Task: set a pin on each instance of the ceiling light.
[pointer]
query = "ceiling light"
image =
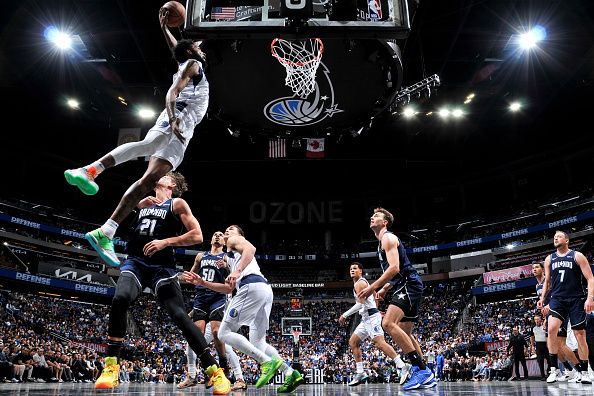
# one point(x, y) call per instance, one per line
point(73, 104)
point(515, 106)
point(457, 113)
point(444, 113)
point(146, 113)
point(409, 112)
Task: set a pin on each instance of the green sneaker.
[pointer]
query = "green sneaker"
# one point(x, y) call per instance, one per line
point(104, 246)
point(267, 371)
point(82, 179)
point(291, 382)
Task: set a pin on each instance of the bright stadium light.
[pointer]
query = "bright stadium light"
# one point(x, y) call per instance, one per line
point(409, 112)
point(73, 104)
point(60, 39)
point(146, 113)
point(515, 106)
point(531, 38)
point(444, 113)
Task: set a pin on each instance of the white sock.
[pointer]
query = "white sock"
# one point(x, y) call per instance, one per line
point(191, 356)
point(399, 362)
point(97, 166)
point(109, 228)
point(359, 367)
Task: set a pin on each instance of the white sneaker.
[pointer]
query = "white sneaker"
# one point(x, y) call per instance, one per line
point(359, 378)
point(586, 378)
point(553, 376)
point(404, 373)
point(577, 378)
point(565, 376)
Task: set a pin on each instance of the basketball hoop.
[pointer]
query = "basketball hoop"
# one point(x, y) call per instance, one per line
point(296, 334)
point(301, 60)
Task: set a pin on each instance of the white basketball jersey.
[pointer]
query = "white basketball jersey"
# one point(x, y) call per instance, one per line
point(369, 301)
point(191, 103)
point(252, 268)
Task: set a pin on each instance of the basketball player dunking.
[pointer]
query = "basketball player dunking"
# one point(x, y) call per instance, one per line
point(567, 272)
point(151, 264)
point(186, 103)
point(251, 307)
point(370, 326)
point(400, 275)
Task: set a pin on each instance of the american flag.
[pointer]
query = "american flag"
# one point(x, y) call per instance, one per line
point(277, 148)
point(222, 13)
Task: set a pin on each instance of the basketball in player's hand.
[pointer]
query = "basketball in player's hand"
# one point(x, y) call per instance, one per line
point(177, 13)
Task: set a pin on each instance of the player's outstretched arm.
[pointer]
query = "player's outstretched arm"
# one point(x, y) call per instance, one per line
point(169, 39)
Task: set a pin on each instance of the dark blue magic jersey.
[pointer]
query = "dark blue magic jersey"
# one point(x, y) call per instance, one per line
point(567, 280)
point(539, 291)
point(407, 273)
point(209, 271)
point(155, 222)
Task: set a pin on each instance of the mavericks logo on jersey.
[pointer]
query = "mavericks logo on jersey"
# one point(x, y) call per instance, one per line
point(297, 111)
point(233, 313)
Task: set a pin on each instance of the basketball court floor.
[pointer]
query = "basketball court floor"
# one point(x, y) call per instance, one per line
point(523, 388)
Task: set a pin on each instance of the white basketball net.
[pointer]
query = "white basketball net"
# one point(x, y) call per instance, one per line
point(296, 334)
point(301, 60)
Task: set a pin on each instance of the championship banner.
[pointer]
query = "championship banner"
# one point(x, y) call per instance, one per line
point(507, 275)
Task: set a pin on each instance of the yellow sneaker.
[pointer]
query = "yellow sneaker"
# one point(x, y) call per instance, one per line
point(221, 383)
point(110, 376)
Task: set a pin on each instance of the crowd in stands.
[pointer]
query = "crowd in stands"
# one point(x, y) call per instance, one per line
point(54, 330)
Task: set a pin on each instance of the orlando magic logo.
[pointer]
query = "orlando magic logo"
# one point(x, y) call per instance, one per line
point(295, 111)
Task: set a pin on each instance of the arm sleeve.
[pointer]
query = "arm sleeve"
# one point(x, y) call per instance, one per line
point(352, 310)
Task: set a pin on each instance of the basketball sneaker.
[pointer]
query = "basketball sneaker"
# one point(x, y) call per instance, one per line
point(418, 378)
point(359, 378)
point(586, 378)
point(404, 373)
point(553, 375)
point(110, 375)
point(268, 370)
point(576, 377)
point(104, 246)
point(291, 382)
point(188, 383)
point(239, 385)
point(83, 179)
point(221, 383)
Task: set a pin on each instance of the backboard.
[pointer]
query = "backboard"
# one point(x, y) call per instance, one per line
point(288, 324)
point(210, 19)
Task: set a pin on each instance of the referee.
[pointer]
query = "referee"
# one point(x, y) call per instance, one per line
point(539, 344)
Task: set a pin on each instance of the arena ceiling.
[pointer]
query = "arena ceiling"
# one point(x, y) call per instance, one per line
point(470, 44)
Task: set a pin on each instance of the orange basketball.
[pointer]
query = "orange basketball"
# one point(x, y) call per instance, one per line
point(177, 13)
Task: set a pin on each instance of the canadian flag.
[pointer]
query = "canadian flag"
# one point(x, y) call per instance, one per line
point(315, 148)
